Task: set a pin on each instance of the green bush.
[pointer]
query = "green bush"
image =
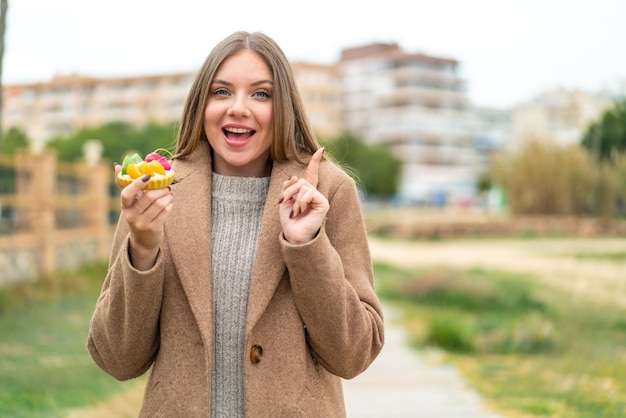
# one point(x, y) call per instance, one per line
point(373, 166)
point(532, 333)
point(473, 290)
point(474, 310)
point(450, 331)
point(117, 138)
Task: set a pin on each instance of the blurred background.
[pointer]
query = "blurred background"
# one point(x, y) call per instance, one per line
point(485, 121)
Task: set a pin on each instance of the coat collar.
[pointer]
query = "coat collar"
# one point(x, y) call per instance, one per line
point(188, 232)
point(269, 265)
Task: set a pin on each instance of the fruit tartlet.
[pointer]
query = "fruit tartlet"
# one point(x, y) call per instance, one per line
point(155, 164)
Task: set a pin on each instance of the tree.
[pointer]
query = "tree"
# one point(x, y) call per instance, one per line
point(373, 166)
point(13, 140)
point(544, 178)
point(117, 138)
point(607, 136)
point(4, 7)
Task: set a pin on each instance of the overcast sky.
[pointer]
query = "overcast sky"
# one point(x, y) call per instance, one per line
point(509, 50)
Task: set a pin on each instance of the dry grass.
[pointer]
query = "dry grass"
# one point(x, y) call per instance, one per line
point(120, 405)
point(554, 261)
point(581, 283)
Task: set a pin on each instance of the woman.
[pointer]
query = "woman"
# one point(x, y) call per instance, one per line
point(247, 286)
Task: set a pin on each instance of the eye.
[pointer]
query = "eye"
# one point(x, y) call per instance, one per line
point(220, 92)
point(262, 94)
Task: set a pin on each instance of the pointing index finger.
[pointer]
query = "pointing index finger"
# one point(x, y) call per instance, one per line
point(313, 167)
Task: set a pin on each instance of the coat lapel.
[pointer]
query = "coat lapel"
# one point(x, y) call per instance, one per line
point(269, 265)
point(191, 250)
point(188, 233)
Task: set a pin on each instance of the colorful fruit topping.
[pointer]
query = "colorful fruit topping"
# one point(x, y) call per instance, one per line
point(133, 171)
point(130, 159)
point(156, 165)
point(165, 163)
point(153, 156)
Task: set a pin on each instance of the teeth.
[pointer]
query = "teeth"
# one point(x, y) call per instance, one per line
point(238, 130)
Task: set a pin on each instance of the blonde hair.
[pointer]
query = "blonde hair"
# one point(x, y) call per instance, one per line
point(292, 134)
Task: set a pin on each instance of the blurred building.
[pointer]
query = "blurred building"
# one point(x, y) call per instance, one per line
point(69, 103)
point(319, 86)
point(418, 105)
point(558, 115)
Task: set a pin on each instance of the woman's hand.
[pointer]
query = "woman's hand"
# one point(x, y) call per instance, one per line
point(146, 212)
point(302, 208)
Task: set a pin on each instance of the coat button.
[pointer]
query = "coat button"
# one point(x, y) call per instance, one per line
point(256, 353)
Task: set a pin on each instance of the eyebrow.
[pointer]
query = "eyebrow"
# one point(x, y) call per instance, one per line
point(256, 83)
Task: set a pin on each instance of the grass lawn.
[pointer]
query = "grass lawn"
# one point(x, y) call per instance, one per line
point(530, 350)
point(45, 368)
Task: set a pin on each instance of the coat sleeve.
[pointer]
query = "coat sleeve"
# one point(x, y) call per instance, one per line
point(123, 333)
point(333, 285)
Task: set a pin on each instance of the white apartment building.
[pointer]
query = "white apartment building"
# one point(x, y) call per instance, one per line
point(68, 103)
point(414, 103)
point(558, 115)
point(319, 86)
point(417, 104)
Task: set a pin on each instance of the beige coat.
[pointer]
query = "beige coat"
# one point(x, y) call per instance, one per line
point(313, 316)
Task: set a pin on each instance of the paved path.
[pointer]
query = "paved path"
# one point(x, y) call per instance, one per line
point(402, 383)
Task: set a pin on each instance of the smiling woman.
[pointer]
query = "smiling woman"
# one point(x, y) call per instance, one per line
point(246, 287)
point(238, 116)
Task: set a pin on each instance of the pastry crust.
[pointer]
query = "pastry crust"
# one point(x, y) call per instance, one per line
point(156, 181)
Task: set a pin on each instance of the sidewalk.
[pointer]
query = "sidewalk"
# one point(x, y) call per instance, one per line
point(401, 383)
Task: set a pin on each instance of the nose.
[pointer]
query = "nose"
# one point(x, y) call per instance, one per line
point(238, 106)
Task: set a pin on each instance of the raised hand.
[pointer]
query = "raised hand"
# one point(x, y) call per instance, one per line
point(146, 212)
point(302, 208)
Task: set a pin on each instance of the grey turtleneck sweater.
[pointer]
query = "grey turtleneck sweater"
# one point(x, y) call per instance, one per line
point(237, 207)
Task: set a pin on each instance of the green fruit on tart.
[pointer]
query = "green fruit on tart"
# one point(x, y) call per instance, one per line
point(155, 164)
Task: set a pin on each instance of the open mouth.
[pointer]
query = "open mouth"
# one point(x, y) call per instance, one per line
point(235, 134)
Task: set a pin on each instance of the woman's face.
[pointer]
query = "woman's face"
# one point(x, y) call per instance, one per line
point(238, 116)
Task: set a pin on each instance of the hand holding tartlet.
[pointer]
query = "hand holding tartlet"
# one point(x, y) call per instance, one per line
point(155, 165)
